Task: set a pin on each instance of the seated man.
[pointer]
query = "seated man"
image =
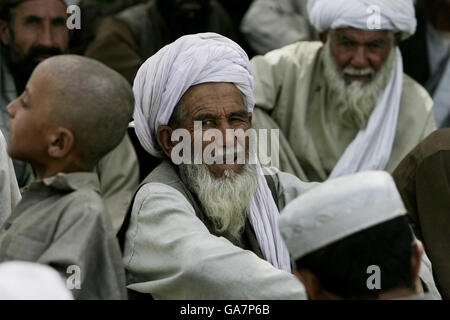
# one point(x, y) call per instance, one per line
point(9, 190)
point(272, 24)
point(31, 31)
point(423, 179)
point(205, 230)
point(73, 111)
point(344, 105)
point(350, 239)
point(125, 40)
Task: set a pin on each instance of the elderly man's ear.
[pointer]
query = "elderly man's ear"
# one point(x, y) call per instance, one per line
point(5, 35)
point(61, 143)
point(164, 137)
point(416, 263)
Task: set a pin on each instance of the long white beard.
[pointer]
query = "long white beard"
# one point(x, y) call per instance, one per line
point(357, 100)
point(225, 200)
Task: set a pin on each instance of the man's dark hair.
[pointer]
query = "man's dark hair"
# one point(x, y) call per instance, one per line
point(6, 6)
point(342, 266)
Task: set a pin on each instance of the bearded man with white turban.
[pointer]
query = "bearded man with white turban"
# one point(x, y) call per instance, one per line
point(208, 230)
point(343, 105)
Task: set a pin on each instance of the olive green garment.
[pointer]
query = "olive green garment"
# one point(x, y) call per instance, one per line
point(118, 172)
point(423, 179)
point(291, 95)
point(61, 222)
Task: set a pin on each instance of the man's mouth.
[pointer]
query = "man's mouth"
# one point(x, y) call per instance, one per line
point(42, 57)
point(350, 78)
point(188, 6)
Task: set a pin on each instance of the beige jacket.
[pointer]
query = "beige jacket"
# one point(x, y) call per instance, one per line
point(290, 95)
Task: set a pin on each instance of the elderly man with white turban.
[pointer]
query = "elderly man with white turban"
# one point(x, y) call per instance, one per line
point(343, 105)
point(208, 230)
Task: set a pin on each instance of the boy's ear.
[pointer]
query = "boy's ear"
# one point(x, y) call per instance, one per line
point(5, 35)
point(61, 143)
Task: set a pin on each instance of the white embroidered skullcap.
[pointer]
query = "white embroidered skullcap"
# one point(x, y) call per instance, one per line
point(337, 209)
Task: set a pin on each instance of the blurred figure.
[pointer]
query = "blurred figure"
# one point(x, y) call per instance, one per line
point(423, 179)
point(9, 190)
point(427, 55)
point(31, 281)
point(272, 24)
point(344, 105)
point(92, 13)
point(125, 40)
point(350, 239)
point(30, 32)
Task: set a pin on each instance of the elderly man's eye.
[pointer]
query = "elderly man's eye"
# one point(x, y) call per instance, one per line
point(207, 122)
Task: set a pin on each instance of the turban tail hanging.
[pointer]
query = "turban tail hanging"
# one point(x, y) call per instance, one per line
point(160, 84)
point(372, 147)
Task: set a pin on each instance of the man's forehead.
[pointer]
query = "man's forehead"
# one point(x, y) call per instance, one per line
point(212, 93)
point(361, 35)
point(41, 8)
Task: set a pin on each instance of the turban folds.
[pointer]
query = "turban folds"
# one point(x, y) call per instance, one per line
point(165, 77)
point(395, 15)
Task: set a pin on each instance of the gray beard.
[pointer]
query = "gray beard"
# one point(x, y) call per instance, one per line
point(357, 100)
point(225, 200)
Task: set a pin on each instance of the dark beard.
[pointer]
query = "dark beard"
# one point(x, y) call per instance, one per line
point(182, 22)
point(22, 65)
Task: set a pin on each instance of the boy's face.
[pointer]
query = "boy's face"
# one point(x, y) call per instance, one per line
point(31, 120)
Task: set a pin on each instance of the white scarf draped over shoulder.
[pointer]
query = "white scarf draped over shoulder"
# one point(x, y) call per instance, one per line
point(372, 147)
point(160, 84)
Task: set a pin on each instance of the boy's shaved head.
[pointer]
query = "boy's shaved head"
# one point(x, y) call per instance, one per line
point(93, 101)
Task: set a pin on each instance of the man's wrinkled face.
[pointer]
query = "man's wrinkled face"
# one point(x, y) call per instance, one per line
point(30, 119)
point(37, 30)
point(217, 106)
point(359, 53)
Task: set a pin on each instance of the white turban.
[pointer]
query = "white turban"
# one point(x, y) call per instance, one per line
point(158, 87)
point(165, 77)
point(395, 15)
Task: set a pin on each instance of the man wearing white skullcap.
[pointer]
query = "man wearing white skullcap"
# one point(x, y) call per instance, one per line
point(343, 105)
point(206, 230)
point(349, 238)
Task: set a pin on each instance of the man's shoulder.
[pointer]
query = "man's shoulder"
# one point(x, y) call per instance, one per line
point(415, 97)
point(300, 52)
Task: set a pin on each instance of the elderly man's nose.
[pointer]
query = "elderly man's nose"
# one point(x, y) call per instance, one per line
point(360, 59)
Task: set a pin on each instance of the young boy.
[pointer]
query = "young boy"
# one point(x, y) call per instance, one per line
point(73, 111)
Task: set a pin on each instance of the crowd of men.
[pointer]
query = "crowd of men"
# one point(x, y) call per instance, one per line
point(95, 204)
